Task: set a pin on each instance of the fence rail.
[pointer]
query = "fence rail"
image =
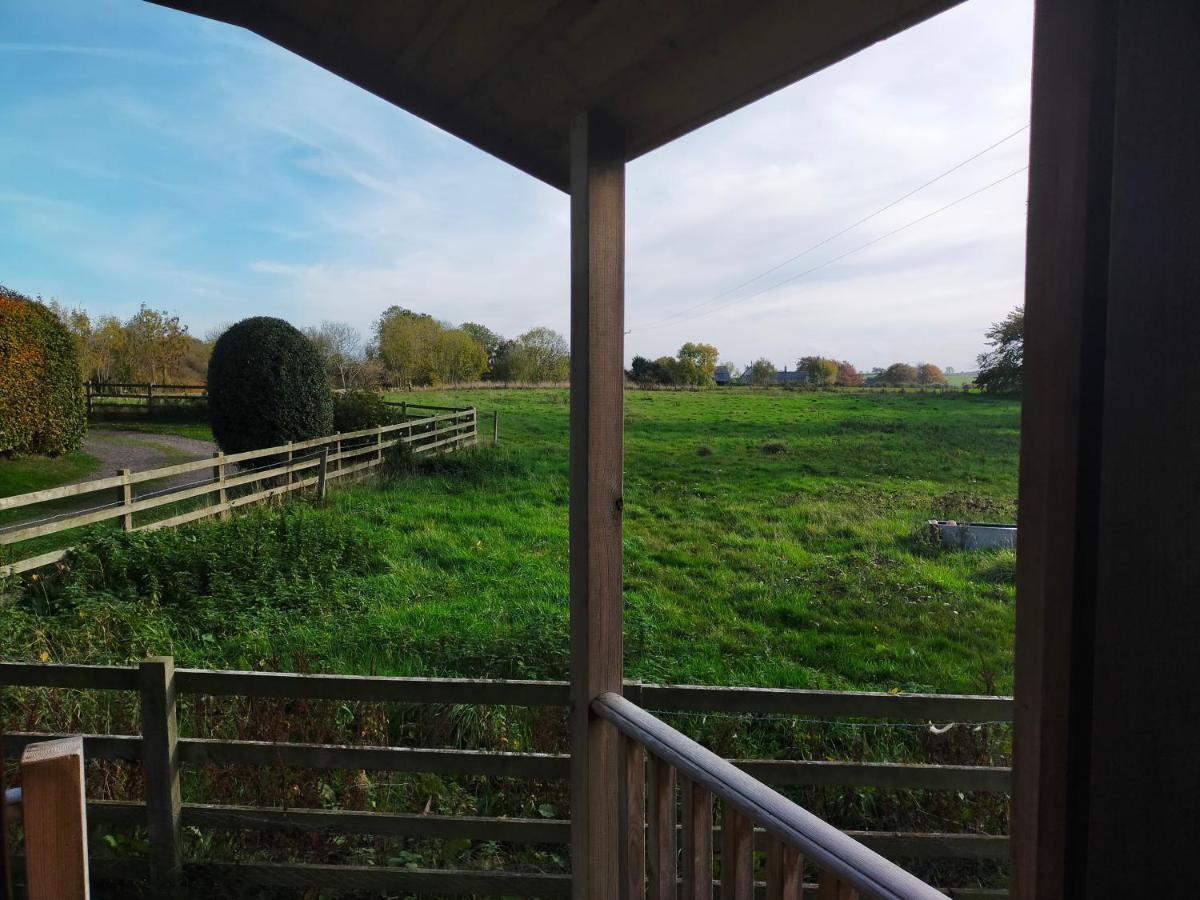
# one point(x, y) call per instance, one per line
point(229, 480)
point(160, 749)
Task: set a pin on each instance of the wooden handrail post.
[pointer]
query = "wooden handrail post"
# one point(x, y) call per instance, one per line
point(53, 810)
point(125, 498)
point(321, 473)
point(597, 154)
point(160, 768)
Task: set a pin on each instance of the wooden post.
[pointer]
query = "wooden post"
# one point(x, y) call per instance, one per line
point(160, 769)
point(338, 449)
point(87, 386)
point(597, 381)
point(125, 498)
point(321, 471)
point(1103, 756)
point(150, 398)
point(219, 478)
point(633, 820)
point(379, 444)
point(496, 428)
point(54, 814)
point(290, 477)
point(403, 410)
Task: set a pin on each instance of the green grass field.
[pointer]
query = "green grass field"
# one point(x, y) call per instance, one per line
point(772, 538)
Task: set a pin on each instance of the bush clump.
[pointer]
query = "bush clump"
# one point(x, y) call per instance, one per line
point(42, 408)
point(357, 409)
point(266, 386)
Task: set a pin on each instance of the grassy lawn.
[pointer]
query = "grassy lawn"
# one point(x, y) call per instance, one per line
point(772, 538)
point(22, 474)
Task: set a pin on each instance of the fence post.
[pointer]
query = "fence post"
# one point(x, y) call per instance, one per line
point(125, 498)
point(150, 398)
point(289, 462)
point(403, 410)
point(160, 769)
point(496, 428)
point(339, 451)
point(87, 386)
point(53, 812)
point(379, 444)
point(219, 478)
point(321, 473)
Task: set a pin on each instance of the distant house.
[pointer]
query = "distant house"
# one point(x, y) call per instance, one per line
point(781, 377)
point(722, 376)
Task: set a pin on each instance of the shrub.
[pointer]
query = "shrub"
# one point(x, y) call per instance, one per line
point(358, 409)
point(266, 386)
point(42, 409)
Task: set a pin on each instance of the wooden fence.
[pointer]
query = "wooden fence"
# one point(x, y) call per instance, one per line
point(228, 481)
point(163, 753)
point(137, 395)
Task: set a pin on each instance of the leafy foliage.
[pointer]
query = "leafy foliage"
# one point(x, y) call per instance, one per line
point(929, 374)
point(1000, 367)
point(357, 409)
point(899, 375)
point(761, 373)
point(42, 408)
point(266, 386)
point(821, 371)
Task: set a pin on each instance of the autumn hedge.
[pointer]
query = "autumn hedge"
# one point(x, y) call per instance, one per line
point(42, 408)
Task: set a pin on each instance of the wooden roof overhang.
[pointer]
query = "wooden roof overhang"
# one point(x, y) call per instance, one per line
point(510, 75)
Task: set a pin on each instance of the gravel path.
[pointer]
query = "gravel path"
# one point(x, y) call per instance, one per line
point(137, 450)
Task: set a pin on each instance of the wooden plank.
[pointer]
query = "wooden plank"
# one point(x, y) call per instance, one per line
point(822, 704)
point(389, 879)
point(785, 871)
point(34, 562)
point(1066, 298)
point(54, 820)
point(368, 687)
point(160, 769)
point(596, 478)
point(662, 851)
point(546, 766)
point(117, 678)
point(633, 820)
point(903, 776)
point(737, 856)
point(697, 826)
point(95, 746)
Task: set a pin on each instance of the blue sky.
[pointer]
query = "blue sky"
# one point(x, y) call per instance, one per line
point(149, 156)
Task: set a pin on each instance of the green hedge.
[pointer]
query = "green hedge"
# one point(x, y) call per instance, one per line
point(266, 386)
point(42, 407)
point(357, 409)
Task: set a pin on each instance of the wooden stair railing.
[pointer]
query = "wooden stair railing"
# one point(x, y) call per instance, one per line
point(655, 757)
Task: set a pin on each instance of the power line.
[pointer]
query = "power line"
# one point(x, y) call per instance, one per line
point(838, 234)
point(857, 249)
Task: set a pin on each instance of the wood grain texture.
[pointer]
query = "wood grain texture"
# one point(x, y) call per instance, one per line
point(696, 817)
point(54, 821)
point(785, 871)
point(737, 855)
point(596, 479)
point(662, 849)
point(632, 863)
point(160, 769)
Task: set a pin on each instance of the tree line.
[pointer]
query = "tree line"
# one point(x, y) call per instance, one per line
point(405, 349)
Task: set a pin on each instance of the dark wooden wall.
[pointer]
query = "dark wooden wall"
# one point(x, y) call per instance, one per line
point(1109, 569)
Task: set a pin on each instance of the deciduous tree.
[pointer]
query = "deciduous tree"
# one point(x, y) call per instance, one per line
point(1000, 367)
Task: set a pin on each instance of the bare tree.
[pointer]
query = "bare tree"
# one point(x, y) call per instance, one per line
point(340, 346)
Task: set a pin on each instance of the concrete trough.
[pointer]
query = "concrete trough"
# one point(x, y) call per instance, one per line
point(972, 535)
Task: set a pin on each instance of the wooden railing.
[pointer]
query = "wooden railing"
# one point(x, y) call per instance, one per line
point(163, 753)
point(848, 869)
point(125, 395)
point(229, 480)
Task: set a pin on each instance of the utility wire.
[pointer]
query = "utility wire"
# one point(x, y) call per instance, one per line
point(838, 234)
point(857, 249)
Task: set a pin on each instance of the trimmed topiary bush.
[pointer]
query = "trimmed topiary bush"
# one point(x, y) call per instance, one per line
point(357, 409)
point(42, 407)
point(266, 386)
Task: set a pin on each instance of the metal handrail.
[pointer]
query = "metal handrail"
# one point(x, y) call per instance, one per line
point(827, 847)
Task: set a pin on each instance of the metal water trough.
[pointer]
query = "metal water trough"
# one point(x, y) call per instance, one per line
point(972, 535)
